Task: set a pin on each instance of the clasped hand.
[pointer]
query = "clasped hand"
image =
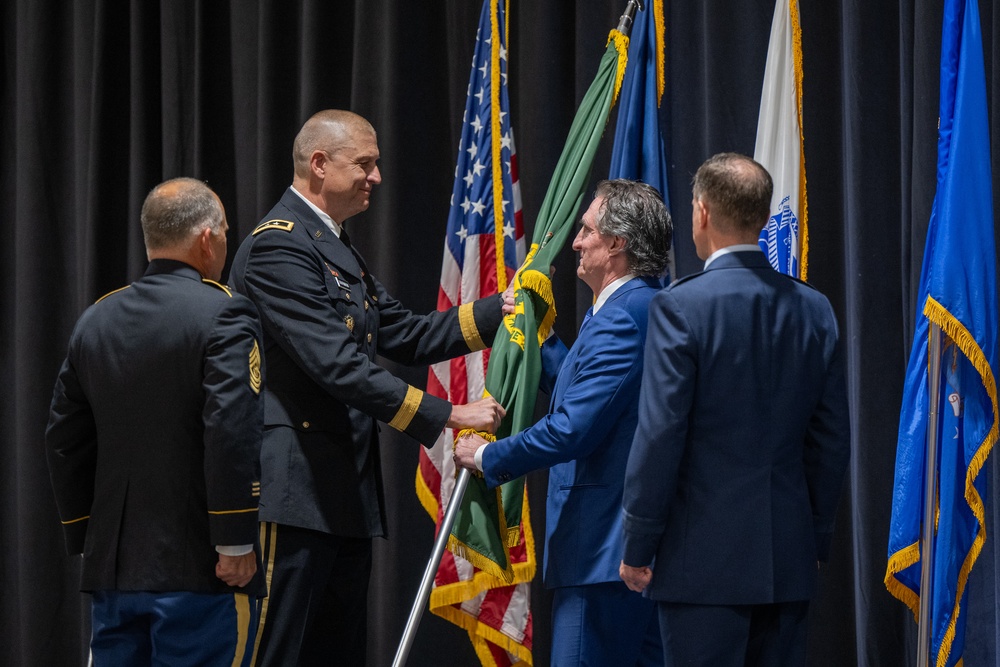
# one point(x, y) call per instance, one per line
point(482, 415)
point(465, 451)
point(636, 578)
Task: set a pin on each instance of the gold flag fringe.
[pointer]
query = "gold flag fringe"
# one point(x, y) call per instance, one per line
point(936, 313)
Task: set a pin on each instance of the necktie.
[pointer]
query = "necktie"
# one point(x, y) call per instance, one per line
point(586, 317)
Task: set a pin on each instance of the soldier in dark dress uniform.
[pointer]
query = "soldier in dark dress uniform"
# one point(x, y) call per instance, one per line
point(325, 316)
point(153, 446)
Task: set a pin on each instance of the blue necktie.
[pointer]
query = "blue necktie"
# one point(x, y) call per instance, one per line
point(586, 317)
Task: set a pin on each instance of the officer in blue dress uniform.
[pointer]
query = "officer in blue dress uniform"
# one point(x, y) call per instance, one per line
point(325, 316)
point(742, 442)
point(153, 447)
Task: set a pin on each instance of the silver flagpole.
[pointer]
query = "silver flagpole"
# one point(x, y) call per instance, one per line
point(930, 493)
point(432, 566)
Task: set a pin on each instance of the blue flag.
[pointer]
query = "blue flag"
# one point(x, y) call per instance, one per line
point(957, 292)
point(638, 152)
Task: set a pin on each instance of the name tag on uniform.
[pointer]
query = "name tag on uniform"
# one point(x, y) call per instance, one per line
point(341, 283)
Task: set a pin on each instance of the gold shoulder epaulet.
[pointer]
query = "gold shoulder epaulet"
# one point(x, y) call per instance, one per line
point(283, 225)
point(222, 287)
point(112, 292)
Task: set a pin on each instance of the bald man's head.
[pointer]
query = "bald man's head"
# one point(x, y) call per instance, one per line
point(178, 209)
point(330, 131)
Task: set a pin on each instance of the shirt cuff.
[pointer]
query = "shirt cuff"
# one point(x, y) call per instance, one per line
point(479, 458)
point(234, 549)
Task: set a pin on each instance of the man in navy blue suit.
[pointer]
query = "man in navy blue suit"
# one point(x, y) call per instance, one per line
point(623, 243)
point(742, 442)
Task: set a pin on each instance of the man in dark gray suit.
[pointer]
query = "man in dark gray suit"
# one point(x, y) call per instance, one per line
point(742, 443)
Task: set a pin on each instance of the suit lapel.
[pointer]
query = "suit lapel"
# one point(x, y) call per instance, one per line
point(569, 363)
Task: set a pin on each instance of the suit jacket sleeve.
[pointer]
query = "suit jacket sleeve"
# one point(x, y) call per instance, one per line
point(591, 405)
point(827, 448)
point(71, 450)
point(234, 417)
point(665, 401)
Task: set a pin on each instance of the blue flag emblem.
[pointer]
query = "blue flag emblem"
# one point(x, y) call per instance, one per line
point(779, 240)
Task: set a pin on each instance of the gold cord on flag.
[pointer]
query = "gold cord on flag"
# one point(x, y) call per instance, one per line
point(803, 201)
point(495, 145)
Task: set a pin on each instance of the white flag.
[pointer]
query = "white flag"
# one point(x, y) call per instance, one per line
point(779, 143)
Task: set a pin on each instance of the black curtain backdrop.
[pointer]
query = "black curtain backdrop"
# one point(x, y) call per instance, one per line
point(103, 99)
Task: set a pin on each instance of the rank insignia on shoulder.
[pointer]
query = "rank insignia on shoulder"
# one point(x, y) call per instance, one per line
point(349, 321)
point(255, 368)
point(283, 225)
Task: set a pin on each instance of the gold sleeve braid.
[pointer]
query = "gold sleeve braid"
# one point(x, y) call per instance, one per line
point(467, 320)
point(406, 412)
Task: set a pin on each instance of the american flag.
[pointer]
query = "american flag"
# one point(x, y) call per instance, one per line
point(485, 215)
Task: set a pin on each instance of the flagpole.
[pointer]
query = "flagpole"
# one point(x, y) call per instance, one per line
point(628, 17)
point(930, 489)
point(431, 570)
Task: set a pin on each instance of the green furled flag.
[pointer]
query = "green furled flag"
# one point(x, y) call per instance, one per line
point(487, 524)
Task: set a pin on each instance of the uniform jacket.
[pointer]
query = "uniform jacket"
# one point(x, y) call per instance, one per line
point(325, 317)
point(743, 437)
point(585, 439)
point(154, 433)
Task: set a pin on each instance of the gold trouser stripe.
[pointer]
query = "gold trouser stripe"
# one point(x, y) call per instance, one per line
point(242, 602)
point(408, 409)
point(249, 509)
point(268, 546)
point(470, 331)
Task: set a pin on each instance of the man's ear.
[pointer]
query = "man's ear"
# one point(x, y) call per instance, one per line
point(205, 246)
point(705, 209)
point(617, 245)
point(317, 163)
